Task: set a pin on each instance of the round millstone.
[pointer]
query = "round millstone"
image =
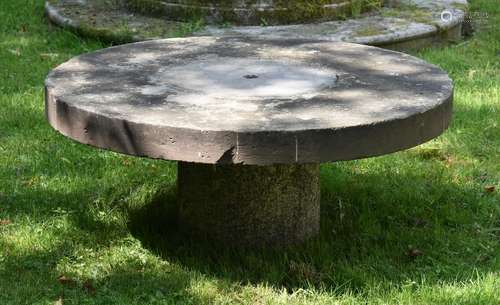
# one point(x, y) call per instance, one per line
point(251, 12)
point(249, 206)
point(422, 25)
point(245, 101)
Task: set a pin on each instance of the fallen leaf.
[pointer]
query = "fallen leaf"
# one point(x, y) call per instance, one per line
point(59, 301)
point(89, 288)
point(489, 188)
point(414, 252)
point(48, 55)
point(64, 280)
point(4, 222)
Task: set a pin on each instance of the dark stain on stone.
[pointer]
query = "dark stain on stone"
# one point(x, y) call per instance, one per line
point(251, 76)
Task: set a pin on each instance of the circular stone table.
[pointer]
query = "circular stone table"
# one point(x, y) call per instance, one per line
point(249, 121)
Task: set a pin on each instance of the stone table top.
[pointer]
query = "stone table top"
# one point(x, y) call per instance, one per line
point(241, 100)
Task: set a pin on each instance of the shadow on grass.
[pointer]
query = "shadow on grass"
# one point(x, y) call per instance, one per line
point(369, 234)
point(373, 223)
point(124, 283)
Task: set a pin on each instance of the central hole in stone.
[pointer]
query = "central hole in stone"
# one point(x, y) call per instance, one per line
point(251, 76)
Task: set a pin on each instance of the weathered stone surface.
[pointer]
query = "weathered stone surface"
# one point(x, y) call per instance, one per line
point(413, 24)
point(108, 21)
point(249, 206)
point(234, 100)
point(407, 24)
point(251, 12)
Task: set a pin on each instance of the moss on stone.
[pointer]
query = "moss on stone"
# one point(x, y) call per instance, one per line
point(106, 20)
point(105, 34)
point(410, 13)
point(253, 11)
point(369, 30)
point(146, 7)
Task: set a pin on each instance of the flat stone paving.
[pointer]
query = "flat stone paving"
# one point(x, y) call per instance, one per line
point(402, 25)
point(241, 100)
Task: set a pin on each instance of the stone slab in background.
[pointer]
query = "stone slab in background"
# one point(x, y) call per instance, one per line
point(110, 22)
point(407, 24)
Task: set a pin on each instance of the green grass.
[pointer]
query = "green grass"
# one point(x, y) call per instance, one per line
point(416, 227)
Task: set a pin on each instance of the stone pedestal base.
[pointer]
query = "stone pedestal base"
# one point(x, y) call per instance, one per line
point(251, 12)
point(249, 206)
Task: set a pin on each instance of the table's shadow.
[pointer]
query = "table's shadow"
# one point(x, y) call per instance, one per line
point(359, 242)
point(347, 255)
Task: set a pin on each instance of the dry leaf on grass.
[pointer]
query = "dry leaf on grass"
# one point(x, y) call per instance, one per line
point(414, 252)
point(64, 280)
point(489, 188)
point(48, 55)
point(4, 222)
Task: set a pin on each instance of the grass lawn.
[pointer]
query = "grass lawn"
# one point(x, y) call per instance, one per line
point(415, 227)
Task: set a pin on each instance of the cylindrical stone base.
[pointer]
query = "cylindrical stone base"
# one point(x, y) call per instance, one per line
point(249, 206)
point(252, 12)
